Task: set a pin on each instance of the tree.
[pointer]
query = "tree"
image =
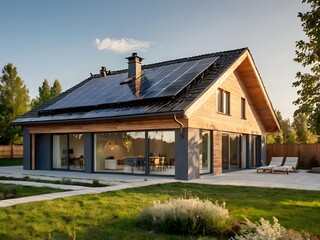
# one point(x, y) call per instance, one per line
point(308, 54)
point(14, 101)
point(300, 124)
point(56, 88)
point(286, 135)
point(276, 137)
point(289, 135)
point(46, 92)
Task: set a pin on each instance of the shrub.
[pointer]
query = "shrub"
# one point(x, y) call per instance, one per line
point(187, 216)
point(26, 178)
point(267, 231)
point(66, 181)
point(95, 182)
point(9, 191)
point(1, 196)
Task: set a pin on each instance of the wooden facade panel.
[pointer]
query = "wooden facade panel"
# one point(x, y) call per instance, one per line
point(217, 152)
point(207, 116)
point(111, 126)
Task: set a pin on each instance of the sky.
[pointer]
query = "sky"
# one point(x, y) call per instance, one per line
point(67, 40)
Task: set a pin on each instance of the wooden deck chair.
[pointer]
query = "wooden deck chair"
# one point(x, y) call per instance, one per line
point(290, 165)
point(275, 162)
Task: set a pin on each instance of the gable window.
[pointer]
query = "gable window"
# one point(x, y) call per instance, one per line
point(243, 108)
point(223, 101)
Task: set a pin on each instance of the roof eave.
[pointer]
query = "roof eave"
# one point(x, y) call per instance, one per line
point(180, 112)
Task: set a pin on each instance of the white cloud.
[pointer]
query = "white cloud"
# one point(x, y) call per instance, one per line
point(122, 45)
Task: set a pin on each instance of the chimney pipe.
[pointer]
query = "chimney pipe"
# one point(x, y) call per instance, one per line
point(103, 72)
point(134, 68)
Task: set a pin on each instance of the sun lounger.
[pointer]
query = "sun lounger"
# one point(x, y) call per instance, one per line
point(290, 165)
point(275, 162)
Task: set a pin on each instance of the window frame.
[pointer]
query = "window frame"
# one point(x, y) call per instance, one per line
point(223, 102)
point(243, 108)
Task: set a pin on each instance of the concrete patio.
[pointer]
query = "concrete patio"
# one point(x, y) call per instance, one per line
point(301, 180)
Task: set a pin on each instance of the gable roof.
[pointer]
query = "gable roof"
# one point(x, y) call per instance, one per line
point(166, 88)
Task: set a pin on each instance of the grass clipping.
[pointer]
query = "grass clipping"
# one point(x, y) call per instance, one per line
point(187, 217)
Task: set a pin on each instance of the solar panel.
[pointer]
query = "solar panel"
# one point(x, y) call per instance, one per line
point(159, 81)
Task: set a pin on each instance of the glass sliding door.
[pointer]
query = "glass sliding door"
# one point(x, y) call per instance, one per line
point(234, 151)
point(225, 151)
point(243, 155)
point(76, 148)
point(253, 162)
point(120, 152)
point(231, 151)
point(68, 151)
point(161, 152)
point(205, 148)
point(60, 151)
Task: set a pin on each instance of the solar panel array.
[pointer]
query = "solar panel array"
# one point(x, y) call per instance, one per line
point(159, 81)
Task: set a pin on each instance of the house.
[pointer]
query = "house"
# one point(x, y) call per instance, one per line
point(184, 117)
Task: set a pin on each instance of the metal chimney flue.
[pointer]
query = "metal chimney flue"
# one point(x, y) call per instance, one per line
point(103, 72)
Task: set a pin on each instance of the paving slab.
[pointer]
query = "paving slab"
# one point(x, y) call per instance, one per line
point(302, 180)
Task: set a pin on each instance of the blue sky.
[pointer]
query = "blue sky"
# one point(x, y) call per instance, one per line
point(67, 40)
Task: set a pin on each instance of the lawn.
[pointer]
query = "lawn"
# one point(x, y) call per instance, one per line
point(8, 191)
point(112, 215)
point(10, 162)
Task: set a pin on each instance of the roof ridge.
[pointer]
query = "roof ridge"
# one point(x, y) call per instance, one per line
point(183, 59)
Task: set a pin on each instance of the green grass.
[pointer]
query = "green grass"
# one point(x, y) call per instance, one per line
point(9, 191)
point(112, 215)
point(10, 162)
point(63, 181)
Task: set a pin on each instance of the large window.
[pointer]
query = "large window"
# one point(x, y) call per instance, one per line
point(161, 152)
point(68, 151)
point(223, 101)
point(205, 150)
point(127, 152)
point(120, 152)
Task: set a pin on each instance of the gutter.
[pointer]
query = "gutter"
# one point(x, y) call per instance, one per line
point(94, 119)
point(180, 123)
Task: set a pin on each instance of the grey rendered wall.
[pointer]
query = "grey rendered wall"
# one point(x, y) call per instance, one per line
point(187, 154)
point(88, 152)
point(26, 149)
point(43, 151)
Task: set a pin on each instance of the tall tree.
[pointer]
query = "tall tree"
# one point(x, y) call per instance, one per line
point(300, 124)
point(46, 92)
point(289, 134)
point(14, 101)
point(276, 137)
point(56, 88)
point(308, 54)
